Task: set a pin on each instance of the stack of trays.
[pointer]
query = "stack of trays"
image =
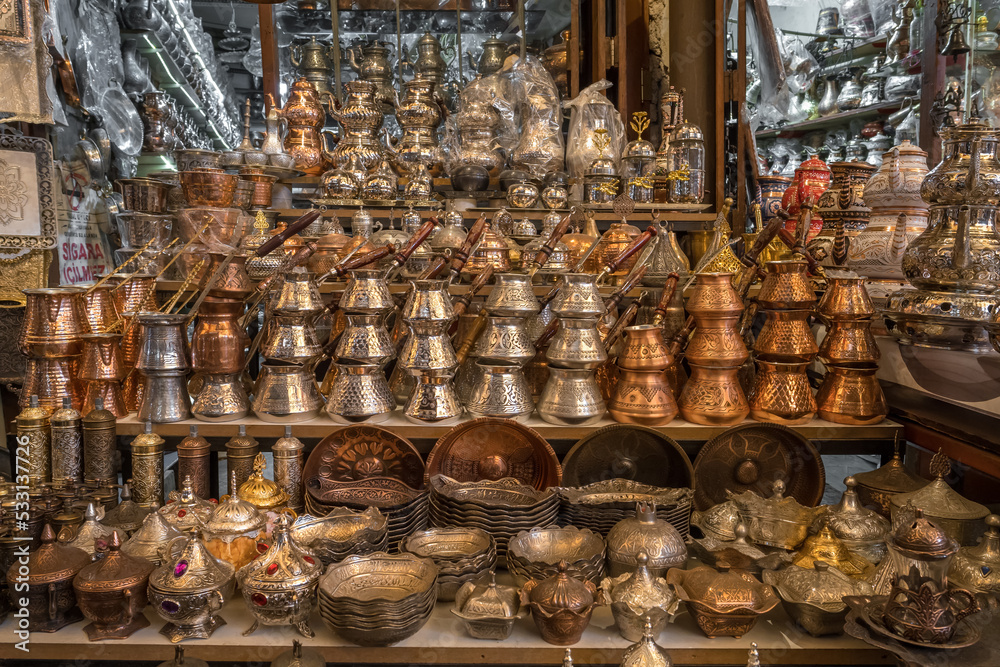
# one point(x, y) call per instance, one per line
point(536, 553)
point(461, 554)
point(502, 508)
point(407, 510)
point(599, 506)
point(378, 599)
point(342, 533)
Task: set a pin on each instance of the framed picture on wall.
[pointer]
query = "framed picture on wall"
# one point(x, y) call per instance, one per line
point(27, 207)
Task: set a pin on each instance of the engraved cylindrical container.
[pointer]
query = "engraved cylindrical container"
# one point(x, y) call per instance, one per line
point(67, 444)
point(571, 397)
point(240, 452)
point(99, 433)
point(288, 454)
point(147, 469)
point(100, 307)
point(33, 424)
point(642, 397)
point(194, 462)
point(165, 398)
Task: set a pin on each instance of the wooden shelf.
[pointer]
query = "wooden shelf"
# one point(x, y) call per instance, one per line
point(856, 49)
point(331, 287)
point(833, 120)
point(320, 427)
point(443, 641)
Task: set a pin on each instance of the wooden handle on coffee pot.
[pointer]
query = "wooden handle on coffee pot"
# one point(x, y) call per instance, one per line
point(418, 237)
point(436, 267)
point(461, 256)
point(616, 298)
point(634, 247)
point(549, 246)
point(363, 260)
point(669, 287)
point(288, 232)
point(547, 333)
point(461, 304)
point(295, 259)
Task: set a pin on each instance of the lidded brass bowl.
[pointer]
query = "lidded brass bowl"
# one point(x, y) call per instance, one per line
point(719, 521)
point(776, 521)
point(876, 487)
point(561, 605)
point(814, 596)
point(645, 533)
point(638, 599)
point(724, 603)
point(826, 547)
point(862, 530)
point(978, 568)
point(261, 492)
point(127, 515)
point(152, 537)
point(233, 530)
point(488, 609)
point(186, 510)
point(111, 593)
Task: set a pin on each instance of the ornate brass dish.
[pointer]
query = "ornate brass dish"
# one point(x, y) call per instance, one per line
point(738, 553)
point(639, 600)
point(561, 606)
point(111, 593)
point(461, 554)
point(152, 537)
point(342, 533)
point(488, 610)
point(814, 597)
point(601, 505)
point(777, 521)
point(492, 449)
point(631, 452)
point(724, 603)
point(536, 553)
point(357, 453)
point(876, 487)
point(750, 457)
point(644, 533)
point(862, 530)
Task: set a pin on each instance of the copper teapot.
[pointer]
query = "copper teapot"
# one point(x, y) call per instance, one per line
point(305, 115)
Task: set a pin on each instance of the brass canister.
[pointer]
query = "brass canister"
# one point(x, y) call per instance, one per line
point(193, 462)
point(240, 452)
point(99, 430)
point(147, 468)
point(288, 453)
point(67, 443)
point(33, 424)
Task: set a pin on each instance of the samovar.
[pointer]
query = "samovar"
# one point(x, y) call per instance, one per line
point(371, 63)
point(418, 115)
point(305, 115)
point(278, 586)
point(361, 118)
point(313, 62)
point(428, 63)
point(477, 123)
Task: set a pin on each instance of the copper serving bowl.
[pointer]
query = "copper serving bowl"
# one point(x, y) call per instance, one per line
point(145, 195)
point(209, 187)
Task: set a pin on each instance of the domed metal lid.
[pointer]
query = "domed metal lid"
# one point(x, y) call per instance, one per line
point(891, 478)
point(234, 516)
point(184, 509)
point(938, 499)
point(284, 565)
point(147, 442)
point(561, 591)
point(154, 534)
point(34, 415)
point(648, 534)
point(640, 591)
point(88, 533)
point(190, 569)
point(117, 570)
point(645, 652)
point(126, 515)
point(639, 148)
point(821, 586)
point(978, 567)
point(51, 563)
point(850, 521)
point(687, 131)
point(922, 539)
point(719, 522)
point(260, 491)
point(487, 599)
point(826, 547)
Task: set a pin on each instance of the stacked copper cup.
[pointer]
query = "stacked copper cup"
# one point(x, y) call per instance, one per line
point(131, 295)
point(642, 393)
point(164, 364)
point(51, 338)
point(144, 226)
point(102, 366)
point(785, 347)
point(850, 393)
point(359, 391)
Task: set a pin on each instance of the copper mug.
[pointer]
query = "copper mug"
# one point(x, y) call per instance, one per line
point(786, 337)
point(135, 293)
point(851, 396)
point(786, 286)
point(850, 343)
point(846, 299)
point(642, 397)
point(54, 318)
point(713, 396)
point(781, 394)
point(644, 349)
point(102, 357)
point(218, 343)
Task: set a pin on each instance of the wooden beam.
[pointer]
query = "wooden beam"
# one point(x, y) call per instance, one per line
point(269, 52)
point(932, 72)
point(574, 48)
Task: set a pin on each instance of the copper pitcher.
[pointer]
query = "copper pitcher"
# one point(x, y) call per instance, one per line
point(851, 396)
point(100, 307)
point(786, 286)
point(233, 282)
point(218, 343)
point(109, 393)
point(713, 396)
point(102, 357)
point(850, 343)
point(618, 237)
point(846, 299)
point(642, 397)
point(786, 337)
point(52, 380)
point(644, 349)
point(54, 318)
point(781, 394)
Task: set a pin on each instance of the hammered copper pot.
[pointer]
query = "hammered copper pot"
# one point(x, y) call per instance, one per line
point(714, 296)
point(52, 380)
point(99, 305)
point(642, 397)
point(781, 394)
point(786, 286)
point(54, 318)
point(101, 358)
point(716, 342)
point(218, 343)
point(644, 349)
point(135, 294)
point(846, 299)
point(713, 396)
point(786, 337)
point(208, 187)
point(850, 343)
point(851, 396)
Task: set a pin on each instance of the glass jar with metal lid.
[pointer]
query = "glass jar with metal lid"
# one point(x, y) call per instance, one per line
point(686, 157)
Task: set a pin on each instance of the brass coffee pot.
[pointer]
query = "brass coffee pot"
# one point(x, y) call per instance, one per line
point(305, 115)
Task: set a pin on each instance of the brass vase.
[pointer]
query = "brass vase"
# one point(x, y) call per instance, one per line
point(851, 396)
point(713, 396)
point(642, 397)
point(781, 393)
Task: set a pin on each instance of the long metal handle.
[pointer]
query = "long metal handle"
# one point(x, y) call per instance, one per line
point(461, 256)
point(548, 247)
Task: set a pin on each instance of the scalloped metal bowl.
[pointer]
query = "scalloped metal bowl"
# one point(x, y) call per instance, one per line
point(461, 554)
point(342, 533)
point(536, 553)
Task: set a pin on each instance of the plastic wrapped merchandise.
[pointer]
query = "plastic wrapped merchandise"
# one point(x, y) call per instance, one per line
point(539, 149)
point(591, 111)
point(471, 136)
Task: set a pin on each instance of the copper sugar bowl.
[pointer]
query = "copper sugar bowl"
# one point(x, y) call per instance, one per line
point(724, 603)
point(51, 601)
point(111, 593)
point(560, 605)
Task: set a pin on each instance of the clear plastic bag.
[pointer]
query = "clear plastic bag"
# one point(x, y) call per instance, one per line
point(539, 148)
point(590, 111)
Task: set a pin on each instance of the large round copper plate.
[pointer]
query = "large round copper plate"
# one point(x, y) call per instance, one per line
point(492, 449)
point(751, 457)
point(356, 453)
point(626, 451)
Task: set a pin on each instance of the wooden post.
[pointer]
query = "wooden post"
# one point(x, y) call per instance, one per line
point(931, 82)
point(269, 52)
point(574, 49)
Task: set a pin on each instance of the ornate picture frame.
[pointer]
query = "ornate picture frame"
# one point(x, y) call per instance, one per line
point(15, 22)
point(27, 207)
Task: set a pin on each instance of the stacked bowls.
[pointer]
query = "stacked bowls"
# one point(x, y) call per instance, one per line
point(599, 506)
point(342, 533)
point(536, 554)
point(378, 599)
point(405, 512)
point(502, 508)
point(461, 554)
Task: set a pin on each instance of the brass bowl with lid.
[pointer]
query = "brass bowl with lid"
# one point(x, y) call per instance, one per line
point(776, 521)
point(111, 593)
point(234, 530)
point(152, 537)
point(489, 610)
point(637, 599)
point(536, 553)
point(645, 533)
point(561, 605)
point(814, 596)
point(342, 532)
point(262, 493)
point(826, 547)
point(726, 603)
point(184, 509)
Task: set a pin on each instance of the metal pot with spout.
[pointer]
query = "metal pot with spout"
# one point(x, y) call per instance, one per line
point(492, 57)
point(371, 63)
point(305, 115)
point(418, 115)
point(361, 117)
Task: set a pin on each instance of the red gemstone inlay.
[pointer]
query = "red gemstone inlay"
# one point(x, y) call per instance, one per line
point(259, 599)
point(272, 568)
point(309, 560)
point(181, 514)
point(261, 547)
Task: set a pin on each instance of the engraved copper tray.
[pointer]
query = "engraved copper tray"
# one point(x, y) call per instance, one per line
point(627, 451)
point(751, 457)
point(491, 449)
point(356, 453)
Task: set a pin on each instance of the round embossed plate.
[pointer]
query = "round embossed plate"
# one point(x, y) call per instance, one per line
point(627, 451)
point(356, 453)
point(751, 457)
point(492, 449)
